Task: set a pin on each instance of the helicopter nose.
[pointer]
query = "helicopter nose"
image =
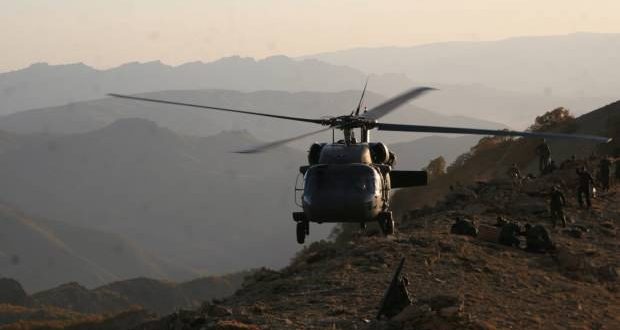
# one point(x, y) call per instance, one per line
point(340, 208)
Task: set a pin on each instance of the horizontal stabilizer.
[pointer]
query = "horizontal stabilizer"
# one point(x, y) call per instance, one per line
point(404, 179)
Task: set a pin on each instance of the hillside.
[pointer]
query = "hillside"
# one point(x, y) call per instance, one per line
point(42, 254)
point(492, 157)
point(458, 282)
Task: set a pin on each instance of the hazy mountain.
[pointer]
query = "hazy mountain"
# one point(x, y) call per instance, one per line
point(87, 116)
point(42, 85)
point(186, 199)
point(42, 253)
point(154, 295)
point(582, 64)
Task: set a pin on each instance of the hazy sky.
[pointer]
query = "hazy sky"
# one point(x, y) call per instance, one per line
point(105, 33)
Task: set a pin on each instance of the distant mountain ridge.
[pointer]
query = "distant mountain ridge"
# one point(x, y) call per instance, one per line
point(43, 85)
point(581, 64)
point(87, 116)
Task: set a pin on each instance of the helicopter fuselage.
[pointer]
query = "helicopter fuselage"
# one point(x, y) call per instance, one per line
point(355, 192)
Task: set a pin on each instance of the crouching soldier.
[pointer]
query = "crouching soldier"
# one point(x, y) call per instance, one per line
point(537, 239)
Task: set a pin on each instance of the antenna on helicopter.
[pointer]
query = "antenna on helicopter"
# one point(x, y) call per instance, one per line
point(359, 105)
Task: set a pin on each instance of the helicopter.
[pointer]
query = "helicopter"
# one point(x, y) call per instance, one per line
point(350, 180)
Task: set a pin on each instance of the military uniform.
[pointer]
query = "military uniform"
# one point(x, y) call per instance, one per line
point(558, 201)
point(514, 173)
point(538, 240)
point(585, 187)
point(508, 234)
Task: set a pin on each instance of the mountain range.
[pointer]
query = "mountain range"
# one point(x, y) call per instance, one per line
point(187, 200)
point(578, 64)
point(490, 80)
point(87, 116)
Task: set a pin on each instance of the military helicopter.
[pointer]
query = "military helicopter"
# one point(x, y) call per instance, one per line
point(350, 180)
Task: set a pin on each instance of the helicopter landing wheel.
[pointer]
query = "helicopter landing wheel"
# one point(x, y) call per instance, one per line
point(386, 223)
point(389, 227)
point(302, 228)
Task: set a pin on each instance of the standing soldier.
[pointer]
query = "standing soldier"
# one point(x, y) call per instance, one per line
point(514, 173)
point(605, 173)
point(544, 154)
point(585, 187)
point(556, 206)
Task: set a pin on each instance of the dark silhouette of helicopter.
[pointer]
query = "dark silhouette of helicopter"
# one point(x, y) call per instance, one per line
point(350, 180)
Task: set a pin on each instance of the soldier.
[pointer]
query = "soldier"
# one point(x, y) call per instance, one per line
point(514, 173)
point(464, 227)
point(508, 234)
point(585, 187)
point(557, 206)
point(544, 154)
point(537, 239)
point(605, 173)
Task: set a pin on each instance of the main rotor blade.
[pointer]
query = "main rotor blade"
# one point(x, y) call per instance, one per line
point(315, 121)
point(278, 143)
point(359, 105)
point(459, 130)
point(395, 102)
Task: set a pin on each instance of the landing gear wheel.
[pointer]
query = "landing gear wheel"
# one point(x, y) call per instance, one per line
point(389, 230)
point(301, 232)
point(386, 223)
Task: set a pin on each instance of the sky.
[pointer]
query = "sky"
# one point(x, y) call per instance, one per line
point(107, 33)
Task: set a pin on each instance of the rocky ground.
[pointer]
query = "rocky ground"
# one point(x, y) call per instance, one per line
point(458, 282)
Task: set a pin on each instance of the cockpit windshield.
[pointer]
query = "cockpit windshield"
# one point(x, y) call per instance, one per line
point(350, 178)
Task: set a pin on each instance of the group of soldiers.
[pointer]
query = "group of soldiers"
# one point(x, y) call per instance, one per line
point(585, 181)
point(537, 238)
